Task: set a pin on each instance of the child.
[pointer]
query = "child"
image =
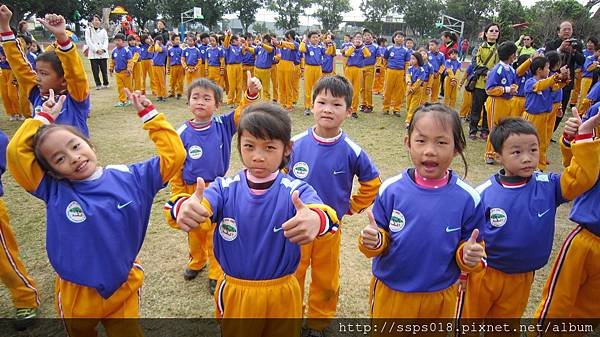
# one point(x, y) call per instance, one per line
point(500, 88)
point(428, 79)
point(554, 60)
point(263, 64)
point(61, 70)
point(437, 61)
point(591, 98)
point(332, 179)
point(415, 82)
point(285, 212)
point(346, 43)
point(121, 62)
point(133, 41)
point(329, 59)
point(419, 253)
point(8, 90)
point(285, 68)
point(96, 217)
point(366, 92)
point(523, 74)
point(12, 271)
point(590, 67)
point(396, 58)
point(453, 67)
point(192, 60)
point(520, 206)
point(248, 59)
point(313, 52)
point(215, 61)
point(159, 59)
point(380, 67)
point(203, 43)
point(233, 61)
point(410, 45)
point(465, 108)
point(175, 68)
point(357, 54)
point(146, 60)
point(207, 140)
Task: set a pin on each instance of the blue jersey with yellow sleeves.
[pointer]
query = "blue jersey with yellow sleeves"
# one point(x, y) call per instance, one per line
point(537, 102)
point(520, 81)
point(470, 69)
point(121, 56)
point(436, 59)
point(589, 60)
point(586, 210)
point(502, 75)
point(192, 56)
point(455, 65)
point(214, 55)
point(396, 56)
point(160, 56)
point(248, 58)
point(357, 57)
point(208, 149)
point(175, 53)
point(76, 109)
point(424, 231)
point(369, 61)
point(428, 68)
point(203, 48)
point(233, 54)
point(327, 64)
point(249, 242)
point(416, 73)
point(594, 94)
point(264, 58)
point(556, 92)
point(3, 143)
point(144, 53)
point(313, 55)
point(330, 168)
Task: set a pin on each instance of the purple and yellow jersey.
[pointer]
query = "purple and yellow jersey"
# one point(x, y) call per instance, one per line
point(160, 55)
point(175, 53)
point(313, 55)
point(499, 78)
point(264, 58)
point(214, 56)
point(416, 73)
point(538, 101)
point(3, 61)
point(594, 94)
point(586, 210)
point(369, 61)
point(437, 60)
point(396, 56)
point(589, 61)
point(144, 53)
point(192, 56)
point(120, 57)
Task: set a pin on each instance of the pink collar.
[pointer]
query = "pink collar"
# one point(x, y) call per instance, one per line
point(431, 183)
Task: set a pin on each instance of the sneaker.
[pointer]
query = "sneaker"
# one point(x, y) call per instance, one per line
point(552, 140)
point(98, 87)
point(190, 274)
point(24, 318)
point(12, 118)
point(354, 115)
point(306, 112)
point(212, 286)
point(171, 95)
point(368, 110)
point(315, 333)
point(386, 112)
point(489, 161)
point(483, 135)
point(128, 103)
point(362, 108)
point(178, 96)
point(473, 136)
point(397, 113)
point(106, 86)
point(119, 105)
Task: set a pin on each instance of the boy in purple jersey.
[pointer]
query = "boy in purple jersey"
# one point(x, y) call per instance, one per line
point(332, 178)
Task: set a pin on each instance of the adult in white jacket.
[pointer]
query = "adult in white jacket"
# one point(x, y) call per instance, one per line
point(96, 40)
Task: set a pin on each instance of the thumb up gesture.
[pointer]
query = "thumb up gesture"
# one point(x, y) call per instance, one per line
point(370, 235)
point(303, 227)
point(192, 213)
point(473, 252)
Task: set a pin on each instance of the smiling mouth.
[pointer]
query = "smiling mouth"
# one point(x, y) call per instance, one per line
point(430, 164)
point(81, 166)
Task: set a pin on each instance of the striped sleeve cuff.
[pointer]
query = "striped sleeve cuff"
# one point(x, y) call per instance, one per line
point(148, 113)
point(586, 137)
point(65, 45)
point(173, 207)
point(44, 117)
point(7, 36)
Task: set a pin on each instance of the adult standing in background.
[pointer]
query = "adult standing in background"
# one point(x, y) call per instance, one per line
point(464, 49)
point(96, 40)
point(162, 31)
point(525, 45)
point(24, 30)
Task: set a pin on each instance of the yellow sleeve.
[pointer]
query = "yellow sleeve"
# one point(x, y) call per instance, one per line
point(302, 47)
point(168, 145)
point(544, 84)
point(243, 104)
point(367, 191)
point(330, 50)
point(20, 156)
point(522, 69)
point(583, 169)
point(131, 62)
point(288, 45)
point(222, 61)
point(368, 252)
point(591, 67)
point(183, 63)
point(417, 84)
point(226, 41)
point(349, 51)
point(111, 64)
point(21, 69)
point(329, 212)
point(268, 48)
point(495, 91)
point(366, 52)
point(77, 83)
point(462, 265)
point(173, 203)
point(442, 69)
point(177, 185)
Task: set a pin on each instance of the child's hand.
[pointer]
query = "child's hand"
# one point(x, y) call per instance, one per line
point(140, 101)
point(55, 24)
point(589, 125)
point(254, 85)
point(572, 124)
point(192, 213)
point(473, 252)
point(370, 234)
point(52, 106)
point(564, 72)
point(304, 226)
point(5, 15)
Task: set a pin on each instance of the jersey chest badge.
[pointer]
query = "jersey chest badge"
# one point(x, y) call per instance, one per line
point(397, 221)
point(300, 170)
point(195, 152)
point(228, 229)
point(498, 217)
point(75, 212)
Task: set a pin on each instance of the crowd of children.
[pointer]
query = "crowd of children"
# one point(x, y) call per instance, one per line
point(474, 257)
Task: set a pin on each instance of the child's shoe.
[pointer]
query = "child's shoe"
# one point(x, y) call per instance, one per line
point(24, 318)
point(119, 105)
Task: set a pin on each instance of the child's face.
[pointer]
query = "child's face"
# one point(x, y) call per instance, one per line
point(433, 47)
point(213, 42)
point(131, 43)
point(398, 39)
point(148, 41)
point(202, 103)
point(454, 56)
point(262, 156)
point(413, 61)
point(368, 38)
point(119, 43)
point(424, 56)
point(590, 45)
point(176, 41)
point(69, 155)
point(47, 78)
point(235, 42)
point(410, 44)
point(358, 40)
point(431, 147)
point(346, 38)
point(314, 39)
point(330, 112)
point(520, 155)
point(544, 73)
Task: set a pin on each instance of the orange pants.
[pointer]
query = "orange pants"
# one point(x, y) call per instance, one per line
point(285, 76)
point(366, 91)
point(465, 108)
point(413, 101)
point(8, 91)
point(275, 82)
point(82, 308)
point(497, 108)
point(394, 90)
point(137, 76)
point(214, 74)
point(518, 106)
point(147, 73)
point(450, 92)
point(354, 76)
point(12, 271)
point(24, 104)
point(159, 78)
point(435, 87)
point(264, 75)
point(176, 81)
point(426, 92)
point(379, 81)
point(540, 123)
point(278, 298)
point(323, 256)
point(246, 68)
point(190, 76)
point(234, 80)
point(586, 84)
point(311, 75)
point(296, 74)
point(123, 82)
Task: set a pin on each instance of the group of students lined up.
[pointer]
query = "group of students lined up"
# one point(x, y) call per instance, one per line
point(283, 212)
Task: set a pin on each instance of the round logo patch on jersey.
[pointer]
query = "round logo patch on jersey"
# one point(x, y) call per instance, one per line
point(75, 212)
point(392, 54)
point(498, 217)
point(228, 229)
point(300, 169)
point(503, 81)
point(397, 221)
point(195, 152)
point(311, 53)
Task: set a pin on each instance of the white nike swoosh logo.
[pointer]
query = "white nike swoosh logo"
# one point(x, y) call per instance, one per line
point(119, 206)
point(450, 230)
point(337, 172)
point(275, 230)
point(542, 214)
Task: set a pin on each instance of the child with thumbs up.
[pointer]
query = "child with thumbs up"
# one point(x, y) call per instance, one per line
point(207, 140)
point(262, 217)
point(520, 209)
point(424, 229)
point(96, 217)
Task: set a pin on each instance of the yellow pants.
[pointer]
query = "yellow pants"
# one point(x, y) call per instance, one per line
point(586, 103)
point(323, 256)
point(176, 81)
point(10, 97)
point(311, 75)
point(278, 298)
point(159, 77)
point(354, 76)
point(147, 73)
point(12, 271)
point(465, 108)
point(586, 84)
point(82, 308)
point(435, 87)
point(223, 81)
point(234, 79)
point(425, 95)
point(556, 109)
point(123, 82)
point(137, 76)
point(190, 76)
point(275, 82)
point(296, 74)
point(285, 75)
point(413, 101)
point(577, 88)
point(497, 108)
point(572, 288)
point(395, 89)
point(366, 92)
point(379, 81)
point(518, 106)
point(214, 74)
point(450, 92)
point(246, 68)
point(264, 75)
point(540, 123)
point(24, 104)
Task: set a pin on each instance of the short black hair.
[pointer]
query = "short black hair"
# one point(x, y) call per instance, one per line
point(507, 127)
point(452, 51)
point(338, 86)
point(159, 38)
point(506, 49)
point(131, 37)
point(520, 60)
point(381, 40)
point(553, 58)
point(419, 58)
point(311, 33)
point(51, 58)
point(434, 41)
point(120, 36)
point(593, 40)
point(204, 36)
point(206, 84)
point(175, 36)
point(538, 63)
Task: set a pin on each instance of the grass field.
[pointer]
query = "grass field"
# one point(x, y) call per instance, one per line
point(119, 139)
